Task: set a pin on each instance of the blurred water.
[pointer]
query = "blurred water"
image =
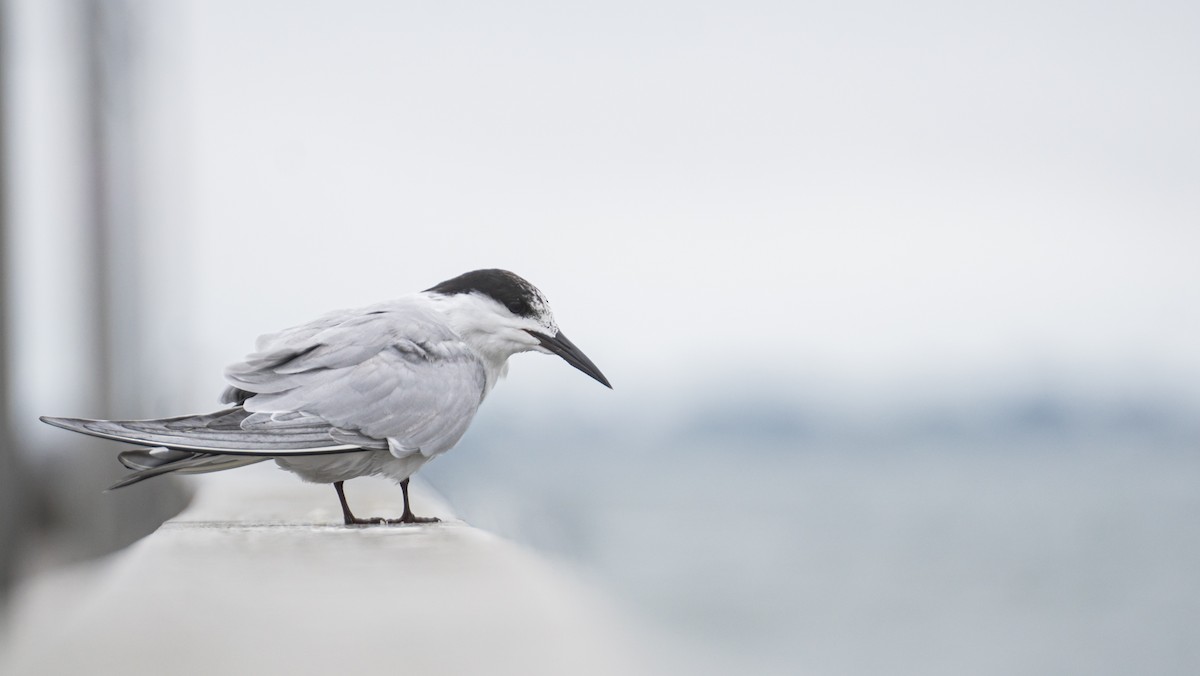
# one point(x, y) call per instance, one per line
point(1031, 554)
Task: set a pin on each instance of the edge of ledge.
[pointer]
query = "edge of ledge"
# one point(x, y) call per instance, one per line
point(257, 575)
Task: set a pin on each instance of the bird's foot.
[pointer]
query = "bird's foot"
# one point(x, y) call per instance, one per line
point(355, 521)
point(409, 517)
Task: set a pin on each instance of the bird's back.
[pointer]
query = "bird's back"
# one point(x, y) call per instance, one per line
point(393, 371)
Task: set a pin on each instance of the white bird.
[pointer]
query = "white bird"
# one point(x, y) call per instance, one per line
point(379, 390)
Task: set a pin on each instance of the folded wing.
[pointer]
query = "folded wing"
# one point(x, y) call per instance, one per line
point(390, 377)
point(220, 432)
point(393, 373)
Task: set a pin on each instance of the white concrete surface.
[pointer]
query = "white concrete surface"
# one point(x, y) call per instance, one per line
point(258, 576)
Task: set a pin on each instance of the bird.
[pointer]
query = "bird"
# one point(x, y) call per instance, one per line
point(373, 391)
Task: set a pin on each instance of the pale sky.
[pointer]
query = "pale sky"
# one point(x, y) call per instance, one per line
point(862, 186)
point(862, 190)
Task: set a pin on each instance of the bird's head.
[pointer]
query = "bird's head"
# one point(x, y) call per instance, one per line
point(500, 314)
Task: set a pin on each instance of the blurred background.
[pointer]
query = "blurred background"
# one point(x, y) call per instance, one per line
point(898, 300)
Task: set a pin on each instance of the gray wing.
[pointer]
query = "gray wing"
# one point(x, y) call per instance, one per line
point(391, 372)
point(231, 431)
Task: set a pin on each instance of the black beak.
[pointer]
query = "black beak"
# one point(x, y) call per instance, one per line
point(561, 346)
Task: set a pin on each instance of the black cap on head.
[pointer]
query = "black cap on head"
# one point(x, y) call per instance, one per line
point(519, 296)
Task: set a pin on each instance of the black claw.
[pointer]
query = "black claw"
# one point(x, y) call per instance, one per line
point(409, 517)
point(347, 516)
point(406, 517)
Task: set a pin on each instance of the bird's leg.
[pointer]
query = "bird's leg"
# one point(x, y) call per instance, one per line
point(351, 520)
point(408, 516)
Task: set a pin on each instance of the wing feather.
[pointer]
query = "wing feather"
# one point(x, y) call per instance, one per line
point(219, 432)
point(387, 377)
point(391, 372)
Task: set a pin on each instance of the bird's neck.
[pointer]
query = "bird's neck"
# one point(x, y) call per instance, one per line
point(469, 317)
point(495, 364)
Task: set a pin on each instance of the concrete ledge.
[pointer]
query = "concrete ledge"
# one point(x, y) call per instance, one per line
point(254, 577)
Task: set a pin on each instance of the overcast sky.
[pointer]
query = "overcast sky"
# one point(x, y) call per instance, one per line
point(866, 190)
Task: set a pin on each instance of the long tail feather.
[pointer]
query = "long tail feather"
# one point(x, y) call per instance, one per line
point(195, 463)
point(232, 431)
point(155, 457)
point(234, 437)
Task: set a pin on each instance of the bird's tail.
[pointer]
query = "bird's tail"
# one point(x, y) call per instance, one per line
point(197, 444)
point(233, 431)
point(159, 461)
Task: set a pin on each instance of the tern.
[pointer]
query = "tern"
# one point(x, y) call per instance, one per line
point(374, 391)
